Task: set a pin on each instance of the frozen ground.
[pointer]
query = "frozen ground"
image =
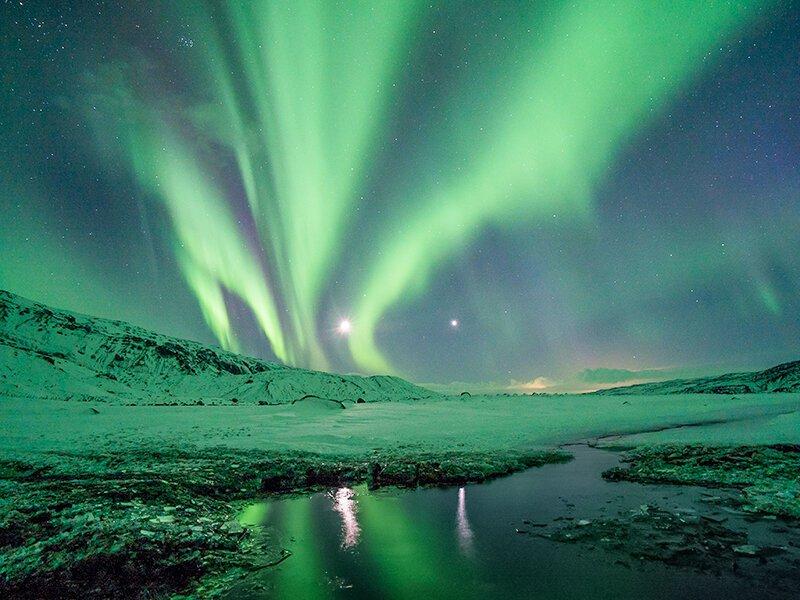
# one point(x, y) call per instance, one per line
point(485, 424)
point(89, 487)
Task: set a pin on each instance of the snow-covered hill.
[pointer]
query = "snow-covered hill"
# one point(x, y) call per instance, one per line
point(783, 378)
point(51, 353)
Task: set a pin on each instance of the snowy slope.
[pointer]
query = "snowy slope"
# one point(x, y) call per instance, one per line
point(50, 353)
point(783, 378)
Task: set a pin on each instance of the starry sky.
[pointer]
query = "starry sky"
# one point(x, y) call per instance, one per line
point(517, 195)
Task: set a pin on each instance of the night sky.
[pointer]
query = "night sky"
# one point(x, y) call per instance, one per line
point(546, 195)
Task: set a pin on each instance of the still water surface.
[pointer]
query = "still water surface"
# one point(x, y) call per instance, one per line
point(463, 542)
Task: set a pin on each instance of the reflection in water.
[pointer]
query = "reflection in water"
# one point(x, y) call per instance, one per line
point(401, 546)
point(305, 576)
point(465, 534)
point(254, 515)
point(345, 505)
point(354, 544)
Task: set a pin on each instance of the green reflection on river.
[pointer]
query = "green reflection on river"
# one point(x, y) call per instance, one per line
point(394, 547)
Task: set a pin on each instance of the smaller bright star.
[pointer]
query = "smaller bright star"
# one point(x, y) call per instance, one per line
point(345, 326)
point(454, 323)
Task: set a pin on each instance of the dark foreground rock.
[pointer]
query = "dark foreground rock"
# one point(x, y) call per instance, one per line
point(768, 476)
point(651, 533)
point(150, 525)
point(681, 539)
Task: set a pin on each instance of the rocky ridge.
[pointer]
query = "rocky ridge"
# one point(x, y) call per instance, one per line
point(51, 353)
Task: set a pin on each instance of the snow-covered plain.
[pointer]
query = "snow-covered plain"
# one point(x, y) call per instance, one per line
point(73, 383)
point(76, 383)
point(485, 424)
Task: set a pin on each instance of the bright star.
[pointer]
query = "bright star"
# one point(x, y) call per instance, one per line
point(454, 323)
point(345, 326)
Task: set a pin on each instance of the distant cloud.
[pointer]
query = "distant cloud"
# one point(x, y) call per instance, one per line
point(476, 388)
point(587, 380)
point(539, 384)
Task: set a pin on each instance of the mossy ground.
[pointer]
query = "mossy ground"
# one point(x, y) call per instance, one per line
point(768, 476)
point(148, 525)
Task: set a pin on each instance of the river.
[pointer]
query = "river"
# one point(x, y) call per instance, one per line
point(484, 541)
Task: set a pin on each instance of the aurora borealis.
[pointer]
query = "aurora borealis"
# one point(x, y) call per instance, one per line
point(604, 185)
